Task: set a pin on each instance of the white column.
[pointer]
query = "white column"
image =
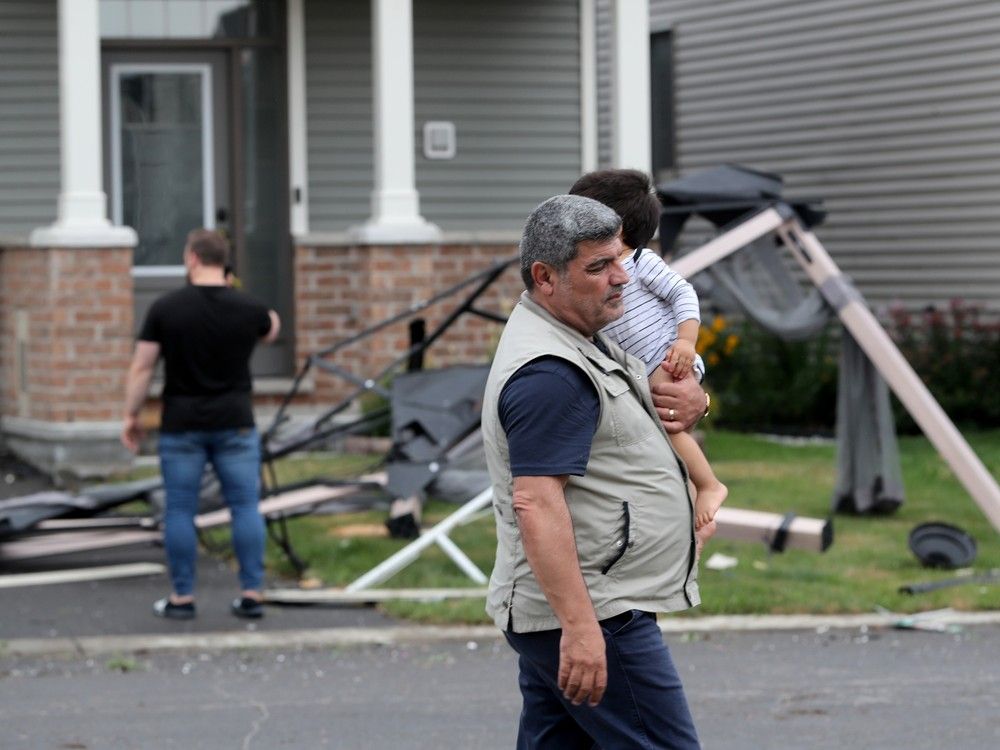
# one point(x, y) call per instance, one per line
point(82, 203)
point(588, 86)
point(395, 203)
point(632, 147)
point(297, 147)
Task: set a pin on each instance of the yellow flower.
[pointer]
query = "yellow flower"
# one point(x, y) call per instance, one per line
point(712, 359)
point(732, 341)
point(705, 340)
point(718, 324)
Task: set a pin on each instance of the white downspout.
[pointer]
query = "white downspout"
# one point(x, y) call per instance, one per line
point(298, 170)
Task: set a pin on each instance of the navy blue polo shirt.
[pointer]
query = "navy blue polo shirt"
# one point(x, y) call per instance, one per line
point(549, 411)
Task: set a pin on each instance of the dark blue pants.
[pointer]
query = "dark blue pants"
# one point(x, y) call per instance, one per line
point(643, 707)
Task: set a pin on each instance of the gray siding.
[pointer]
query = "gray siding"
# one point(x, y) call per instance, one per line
point(507, 74)
point(339, 112)
point(29, 116)
point(888, 111)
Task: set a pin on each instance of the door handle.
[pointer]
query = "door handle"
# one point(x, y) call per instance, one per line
point(221, 215)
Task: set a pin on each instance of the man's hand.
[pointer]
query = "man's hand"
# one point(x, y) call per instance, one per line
point(132, 433)
point(140, 373)
point(680, 404)
point(549, 545)
point(583, 664)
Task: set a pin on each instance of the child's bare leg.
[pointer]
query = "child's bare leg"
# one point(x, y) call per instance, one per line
point(710, 492)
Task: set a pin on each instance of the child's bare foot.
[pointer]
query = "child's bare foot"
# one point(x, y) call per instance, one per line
point(707, 502)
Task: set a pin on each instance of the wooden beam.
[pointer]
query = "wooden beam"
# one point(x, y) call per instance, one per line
point(811, 534)
point(61, 543)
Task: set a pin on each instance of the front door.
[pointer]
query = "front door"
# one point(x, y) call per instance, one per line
point(187, 149)
point(169, 167)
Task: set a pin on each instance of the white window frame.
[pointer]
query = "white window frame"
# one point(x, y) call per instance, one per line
point(204, 70)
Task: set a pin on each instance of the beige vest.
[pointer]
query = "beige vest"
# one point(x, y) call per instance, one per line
point(632, 514)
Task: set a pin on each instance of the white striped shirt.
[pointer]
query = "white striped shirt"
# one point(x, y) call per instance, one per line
point(656, 300)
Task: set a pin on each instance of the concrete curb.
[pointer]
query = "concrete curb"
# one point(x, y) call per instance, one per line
point(405, 635)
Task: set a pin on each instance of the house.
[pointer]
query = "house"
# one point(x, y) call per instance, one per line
point(361, 155)
point(364, 154)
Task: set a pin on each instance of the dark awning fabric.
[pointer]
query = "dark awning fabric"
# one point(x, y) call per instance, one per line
point(868, 471)
point(432, 411)
point(724, 194)
point(869, 475)
point(18, 514)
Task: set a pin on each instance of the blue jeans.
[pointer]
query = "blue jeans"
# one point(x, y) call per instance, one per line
point(235, 456)
point(643, 707)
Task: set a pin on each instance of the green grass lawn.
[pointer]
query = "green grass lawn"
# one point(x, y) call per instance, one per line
point(867, 563)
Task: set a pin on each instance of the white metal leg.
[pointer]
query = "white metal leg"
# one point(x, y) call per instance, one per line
point(393, 564)
point(461, 559)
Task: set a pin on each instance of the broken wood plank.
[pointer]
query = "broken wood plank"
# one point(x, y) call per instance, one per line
point(72, 541)
point(811, 534)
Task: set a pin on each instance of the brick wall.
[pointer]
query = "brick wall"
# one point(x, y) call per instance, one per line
point(66, 326)
point(66, 320)
point(341, 290)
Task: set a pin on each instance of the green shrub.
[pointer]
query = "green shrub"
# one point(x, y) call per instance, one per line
point(956, 352)
point(762, 383)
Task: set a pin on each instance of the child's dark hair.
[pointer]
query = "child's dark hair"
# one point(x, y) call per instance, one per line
point(630, 194)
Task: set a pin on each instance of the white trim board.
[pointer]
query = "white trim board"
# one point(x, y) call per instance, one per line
point(77, 575)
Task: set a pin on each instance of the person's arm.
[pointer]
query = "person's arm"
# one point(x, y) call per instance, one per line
point(679, 404)
point(680, 356)
point(140, 373)
point(549, 412)
point(274, 330)
point(675, 292)
point(547, 532)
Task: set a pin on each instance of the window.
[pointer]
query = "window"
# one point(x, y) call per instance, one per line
point(661, 60)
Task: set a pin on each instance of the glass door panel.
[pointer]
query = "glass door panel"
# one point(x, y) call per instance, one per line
point(168, 157)
point(162, 165)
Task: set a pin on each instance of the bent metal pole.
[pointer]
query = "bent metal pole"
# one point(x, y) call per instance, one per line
point(866, 330)
point(882, 351)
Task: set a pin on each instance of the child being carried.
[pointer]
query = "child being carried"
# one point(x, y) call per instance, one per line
point(661, 319)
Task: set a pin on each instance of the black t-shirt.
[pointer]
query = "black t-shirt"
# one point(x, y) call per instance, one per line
point(549, 412)
point(206, 336)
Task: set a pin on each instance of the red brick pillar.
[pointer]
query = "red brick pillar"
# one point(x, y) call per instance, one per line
point(341, 290)
point(66, 322)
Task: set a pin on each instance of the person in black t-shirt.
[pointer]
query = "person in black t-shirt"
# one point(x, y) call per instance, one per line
point(205, 332)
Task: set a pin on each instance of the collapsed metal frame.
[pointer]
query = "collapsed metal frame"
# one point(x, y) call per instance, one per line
point(850, 307)
point(321, 428)
point(278, 503)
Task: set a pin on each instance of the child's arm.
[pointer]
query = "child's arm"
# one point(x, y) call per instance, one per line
point(681, 355)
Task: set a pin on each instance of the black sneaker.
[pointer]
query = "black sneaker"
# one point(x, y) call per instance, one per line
point(248, 608)
point(166, 608)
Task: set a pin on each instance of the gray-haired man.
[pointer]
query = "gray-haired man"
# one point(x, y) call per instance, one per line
point(594, 522)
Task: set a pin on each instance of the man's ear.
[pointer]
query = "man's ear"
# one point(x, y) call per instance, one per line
point(544, 277)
